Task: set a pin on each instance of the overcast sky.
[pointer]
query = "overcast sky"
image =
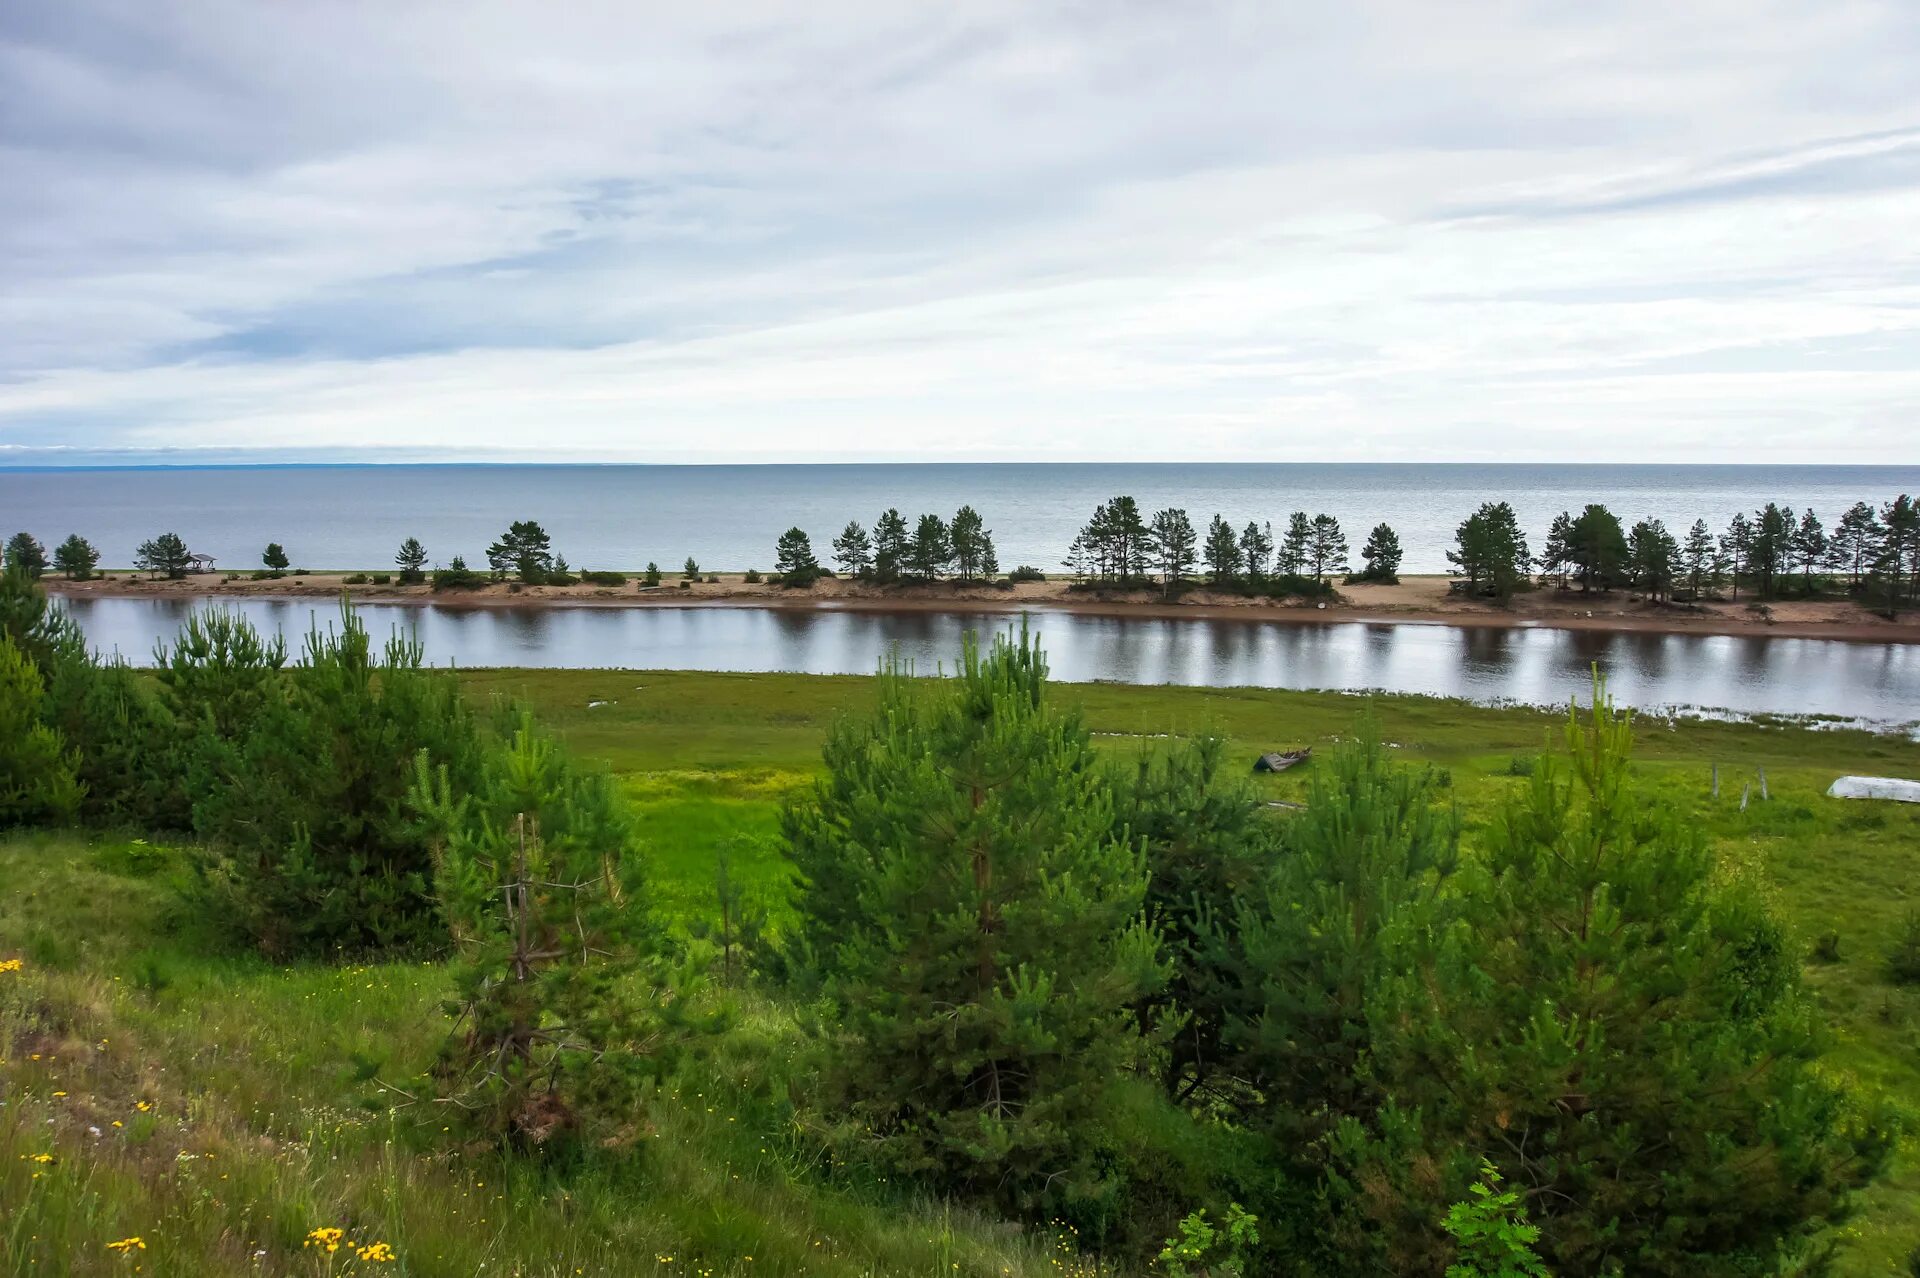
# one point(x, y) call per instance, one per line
point(1585, 230)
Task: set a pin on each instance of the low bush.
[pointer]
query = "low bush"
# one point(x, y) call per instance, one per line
point(1903, 960)
point(1026, 572)
point(604, 578)
point(753, 577)
point(458, 577)
point(381, 578)
point(354, 579)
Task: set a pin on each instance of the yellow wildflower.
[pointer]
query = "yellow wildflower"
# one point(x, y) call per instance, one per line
point(325, 1237)
point(10, 965)
point(43, 1158)
point(125, 1245)
point(378, 1252)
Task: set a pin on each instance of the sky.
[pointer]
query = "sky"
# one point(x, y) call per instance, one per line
point(1381, 230)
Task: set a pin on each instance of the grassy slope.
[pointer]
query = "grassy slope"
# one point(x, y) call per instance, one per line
point(254, 1135)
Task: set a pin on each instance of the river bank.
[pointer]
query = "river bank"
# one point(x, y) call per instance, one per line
point(1415, 600)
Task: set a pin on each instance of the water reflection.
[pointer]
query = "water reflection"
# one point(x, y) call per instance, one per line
point(1747, 673)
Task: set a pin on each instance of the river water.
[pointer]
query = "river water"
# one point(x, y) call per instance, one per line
point(1874, 683)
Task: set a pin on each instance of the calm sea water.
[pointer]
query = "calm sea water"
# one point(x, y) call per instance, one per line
point(727, 517)
point(1877, 683)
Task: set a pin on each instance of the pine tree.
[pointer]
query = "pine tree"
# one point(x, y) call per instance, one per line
point(1556, 557)
point(930, 554)
point(75, 558)
point(1772, 550)
point(1295, 545)
point(1736, 545)
point(525, 550)
point(563, 1011)
point(411, 559)
point(975, 922)
point(1222, 553)
point(1256, 550)
point(165, 556)
point(45, 635)
point(853, 550)
point(1699, 560)
point(1623, 1039)
point(1382, 556)
point(890, 546)
point(1653, 558)
point(1597, 549)
point(1326, 548)
point(1490, 551)
point(793, 559)
point(1809, 547)
point(1173, 544)
point(25, 554)
point(1208, 844)
point(972, 545)
point(1351, 902)
point(1854, 538)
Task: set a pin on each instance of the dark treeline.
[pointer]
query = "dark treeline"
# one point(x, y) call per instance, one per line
point(1118, 993)
point(1871, 554)
point(1120, 548)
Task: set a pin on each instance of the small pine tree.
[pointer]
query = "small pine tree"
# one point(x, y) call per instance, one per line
point(275, 557)
point(853, 551)
point(164, 556)
point(411, 559)
point(653, 574)
point(563, 1013)
point(1382, 556)
point(1611, 1030)
point(27, 555)
point(1221, 553)
point(690, 571)
point(793, 559)
point(976, 927)
point(1903, 960)
point(76, 558)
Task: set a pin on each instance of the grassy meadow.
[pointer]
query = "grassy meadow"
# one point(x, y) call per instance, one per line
point(220, 1109)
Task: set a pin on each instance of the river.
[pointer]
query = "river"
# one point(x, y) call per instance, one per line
point(1878, 684)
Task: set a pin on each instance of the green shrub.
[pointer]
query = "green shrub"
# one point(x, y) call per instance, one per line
point(1204, 1250)
point(37, 780)
point(1026, 572)
point(381, 578)
point(753, 577)
point(457, 576)
point(1491, 1231)
point(354, 579)
point(1903, 959)
point(604, 578)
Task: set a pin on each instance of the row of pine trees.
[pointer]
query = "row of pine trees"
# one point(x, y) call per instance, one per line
point(1872, 553)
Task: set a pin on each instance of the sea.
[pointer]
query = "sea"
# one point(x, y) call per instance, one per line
point(620, 517)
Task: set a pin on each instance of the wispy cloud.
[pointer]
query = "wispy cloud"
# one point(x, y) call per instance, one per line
point(1618, 230)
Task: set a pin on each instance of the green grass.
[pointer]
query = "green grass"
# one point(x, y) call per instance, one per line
point(256, 1077)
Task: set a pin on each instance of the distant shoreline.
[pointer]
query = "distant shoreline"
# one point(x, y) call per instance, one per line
point(1416, 600)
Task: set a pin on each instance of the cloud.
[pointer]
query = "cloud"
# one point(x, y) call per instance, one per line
point(1006, 230)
